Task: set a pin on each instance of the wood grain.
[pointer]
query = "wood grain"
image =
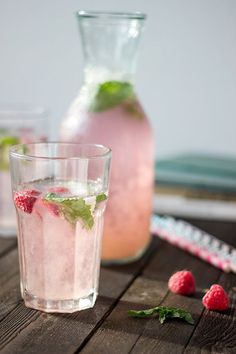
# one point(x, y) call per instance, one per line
point(8, 266)
point(224, 230)
point(171, 338)
point(216, 332)
point(107, 328)
point(9, 283)
point(7, 244)
point(68, 332)
point(121, 334)
point(14, 322)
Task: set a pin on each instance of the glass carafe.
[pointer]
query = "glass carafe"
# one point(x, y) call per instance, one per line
point(107, 111)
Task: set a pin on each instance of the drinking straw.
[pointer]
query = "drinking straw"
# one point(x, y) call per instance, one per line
point(195, 241)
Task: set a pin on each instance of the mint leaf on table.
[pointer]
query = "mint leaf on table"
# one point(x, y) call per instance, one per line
point(165, 313)
point(110, 94)
point(73, 209)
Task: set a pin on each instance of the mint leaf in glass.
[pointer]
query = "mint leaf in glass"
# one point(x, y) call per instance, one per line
point(5, 143)
point(8, 140)
point(110, 94)
point(73, 209)
point(165, 313)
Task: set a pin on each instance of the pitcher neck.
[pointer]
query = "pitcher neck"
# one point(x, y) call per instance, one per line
point(95, 75)
point(110, 45)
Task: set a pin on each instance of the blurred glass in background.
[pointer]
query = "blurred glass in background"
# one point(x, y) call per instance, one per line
point(18, 124)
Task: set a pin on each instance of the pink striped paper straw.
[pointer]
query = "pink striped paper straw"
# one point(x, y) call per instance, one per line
point(193, 248)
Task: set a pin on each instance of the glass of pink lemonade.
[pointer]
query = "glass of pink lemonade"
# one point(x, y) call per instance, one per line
point(18, 124)
point(60, 192)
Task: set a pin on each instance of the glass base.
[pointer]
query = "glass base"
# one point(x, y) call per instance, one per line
point(63, 306)
point(126, 260)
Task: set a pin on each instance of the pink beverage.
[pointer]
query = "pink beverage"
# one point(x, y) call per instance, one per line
point(126, 229)
point(107, 111)
point(60, 225)
point(17, 125)
point(61, 253)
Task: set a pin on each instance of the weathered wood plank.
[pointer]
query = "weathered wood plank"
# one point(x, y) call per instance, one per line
point(225, 231)
point(121, 334)
point(107, 328)
point(9, 296)
point(17, 319)
point(65, 333)
point(216, 332)
point(51, 333)
point(148, 336)
point(172, 336)
point(9, 283)
point(8, 266)
point(36, 332)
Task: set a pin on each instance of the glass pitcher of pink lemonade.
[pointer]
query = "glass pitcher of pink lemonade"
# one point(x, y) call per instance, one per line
point(107, 111)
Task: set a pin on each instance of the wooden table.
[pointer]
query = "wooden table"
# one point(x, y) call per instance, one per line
point(107, 328)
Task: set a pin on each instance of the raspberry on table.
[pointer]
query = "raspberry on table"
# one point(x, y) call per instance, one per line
point(216, 298)
point(182, 282)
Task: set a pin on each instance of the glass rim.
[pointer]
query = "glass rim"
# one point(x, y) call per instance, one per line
point(13, 152)
point(111, 15)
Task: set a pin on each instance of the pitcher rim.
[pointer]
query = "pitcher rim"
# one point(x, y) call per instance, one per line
point(111, 15)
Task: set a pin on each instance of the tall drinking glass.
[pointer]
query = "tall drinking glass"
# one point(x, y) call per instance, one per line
point(60, 192)
point(18, 124)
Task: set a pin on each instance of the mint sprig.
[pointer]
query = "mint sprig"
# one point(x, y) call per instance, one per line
point(5, 143)
point(101, 197)
point(110, 94)
point(74, 209)
point(165, 313)
point(8, 140)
